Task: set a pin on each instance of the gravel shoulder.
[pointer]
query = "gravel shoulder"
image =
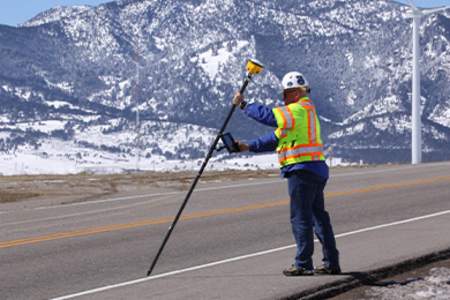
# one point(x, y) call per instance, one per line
point(430, 281)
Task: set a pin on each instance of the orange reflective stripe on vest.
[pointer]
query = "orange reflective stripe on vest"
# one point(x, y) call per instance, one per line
point(312, 131)
point(287, 116)
point(301, 150)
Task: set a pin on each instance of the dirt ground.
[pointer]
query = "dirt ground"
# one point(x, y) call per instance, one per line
point(82, 187)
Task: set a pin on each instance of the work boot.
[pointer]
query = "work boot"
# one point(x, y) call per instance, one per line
point(294, 271)
point(327, 271)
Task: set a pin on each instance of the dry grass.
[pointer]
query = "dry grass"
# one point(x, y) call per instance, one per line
point(6, 196)
point(83, 187)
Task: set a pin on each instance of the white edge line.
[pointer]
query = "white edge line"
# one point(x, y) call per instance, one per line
point(227, 187)
point(176, 272)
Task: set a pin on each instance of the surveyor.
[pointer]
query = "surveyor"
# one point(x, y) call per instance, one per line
point(298, 143)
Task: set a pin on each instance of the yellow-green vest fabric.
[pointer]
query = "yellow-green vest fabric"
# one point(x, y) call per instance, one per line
point(298, 133)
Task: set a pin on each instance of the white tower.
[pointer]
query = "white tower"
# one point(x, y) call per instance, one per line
point(416, 121)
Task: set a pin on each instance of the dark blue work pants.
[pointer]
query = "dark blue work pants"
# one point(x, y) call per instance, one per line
point(308, 212)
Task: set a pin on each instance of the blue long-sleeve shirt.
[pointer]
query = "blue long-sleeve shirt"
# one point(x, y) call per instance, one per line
point(268, 142)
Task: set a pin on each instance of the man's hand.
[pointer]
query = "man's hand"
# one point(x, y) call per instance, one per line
point(238, 98)
point(243, 147)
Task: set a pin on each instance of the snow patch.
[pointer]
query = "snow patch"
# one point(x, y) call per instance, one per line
point(159, 43)
point(42, 126)
point(351, 97)
point(388, 105)
point(372, 61)
point(63, 85)
point(211, 60)
point(348, 131)
point(349, 57)
point(59, 104)
point(434, 286)
point(441, 115)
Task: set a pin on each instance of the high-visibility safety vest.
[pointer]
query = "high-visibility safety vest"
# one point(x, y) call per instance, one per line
point(298, 133)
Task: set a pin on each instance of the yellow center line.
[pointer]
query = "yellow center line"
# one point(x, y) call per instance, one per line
point(211, 213)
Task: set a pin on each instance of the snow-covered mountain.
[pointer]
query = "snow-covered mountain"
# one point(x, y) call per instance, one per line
point(72, 77)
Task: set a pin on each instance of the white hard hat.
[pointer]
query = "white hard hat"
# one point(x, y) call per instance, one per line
point(294, 80)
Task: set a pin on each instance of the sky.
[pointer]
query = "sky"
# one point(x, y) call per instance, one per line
point(15, 12)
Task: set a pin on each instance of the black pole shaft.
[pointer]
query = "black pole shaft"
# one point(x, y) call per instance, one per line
point(197, 178)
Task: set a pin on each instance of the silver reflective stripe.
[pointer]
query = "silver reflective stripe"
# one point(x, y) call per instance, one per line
point(299, 151)
point(312, 125)
point(287, 116)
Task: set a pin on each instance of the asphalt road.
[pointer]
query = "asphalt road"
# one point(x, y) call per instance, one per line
point(381, 215)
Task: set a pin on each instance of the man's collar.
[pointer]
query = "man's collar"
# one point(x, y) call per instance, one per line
point(302, 99)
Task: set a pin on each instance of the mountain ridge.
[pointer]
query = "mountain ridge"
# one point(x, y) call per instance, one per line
point(180, 62)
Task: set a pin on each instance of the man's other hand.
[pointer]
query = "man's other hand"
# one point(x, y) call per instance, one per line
point(243, 147)
point(238, 98)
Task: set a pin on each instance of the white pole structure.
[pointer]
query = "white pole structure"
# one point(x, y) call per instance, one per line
point(416, 118)
point(416, 121)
